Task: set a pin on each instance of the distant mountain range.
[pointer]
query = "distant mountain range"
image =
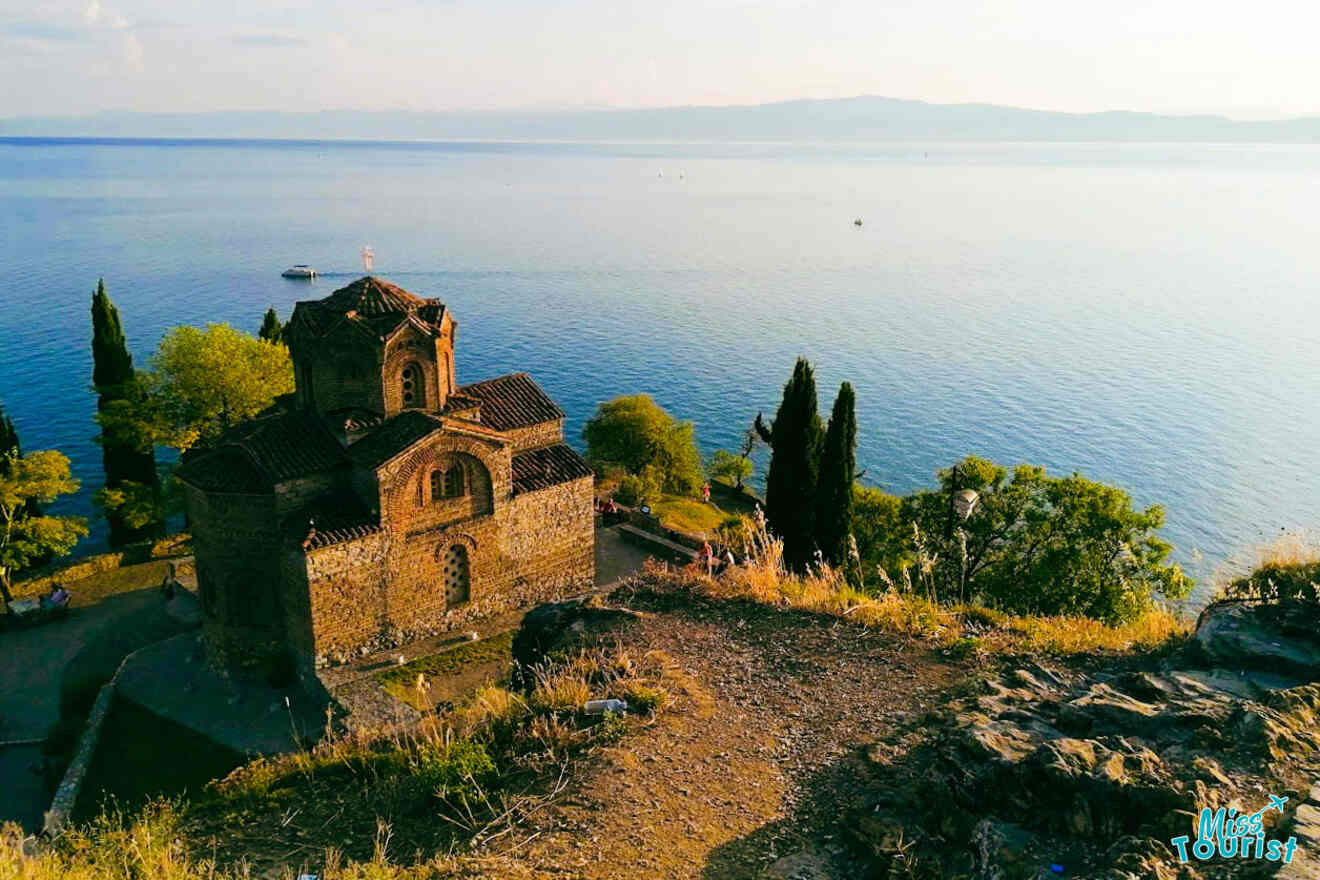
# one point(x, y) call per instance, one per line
point(860, 118)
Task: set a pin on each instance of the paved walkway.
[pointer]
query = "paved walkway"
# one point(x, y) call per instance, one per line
point(36, 661)
point(171, 679)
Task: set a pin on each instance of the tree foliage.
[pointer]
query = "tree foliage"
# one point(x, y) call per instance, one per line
point(838, 472)
point(25, 537)
point(794, 439)
point(884, 537)
point(202, 382)
point(129, 463)
point(729, 468)
point(271, 328)
point(1039, 544)
point(635, 433)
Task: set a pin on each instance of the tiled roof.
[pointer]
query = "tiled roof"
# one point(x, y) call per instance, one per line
point(457, 403)
point(392, 437)
point(263, 451)
point(222, 470)
point(369, 303)
point(512, 401)
point(371, 296)
point(353, 417)
point(546, 467)
point(331, 520)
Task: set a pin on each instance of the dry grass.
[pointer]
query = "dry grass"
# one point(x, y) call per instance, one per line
point(452, 782)
point(824, 591)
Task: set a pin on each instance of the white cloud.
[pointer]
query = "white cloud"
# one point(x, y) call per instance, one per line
point(92, 14)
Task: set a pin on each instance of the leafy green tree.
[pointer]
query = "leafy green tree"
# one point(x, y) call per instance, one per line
point(271, 328)
point(129, 464)
point(794, 439)
point(729, 468)
point(25, 537)
point(202, 382)
point(838, 472)
point(878, 527)
point(1037, 544)
point(635, 433)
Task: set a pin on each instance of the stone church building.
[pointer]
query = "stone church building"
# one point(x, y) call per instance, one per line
point(382, 500)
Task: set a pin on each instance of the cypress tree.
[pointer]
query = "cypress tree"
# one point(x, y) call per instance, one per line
point(114, 378)
point(271, 328)
point(8, 437)
point(794, 439)
point(838, 471)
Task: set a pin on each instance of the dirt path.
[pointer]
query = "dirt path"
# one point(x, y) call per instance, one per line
point(750, 771)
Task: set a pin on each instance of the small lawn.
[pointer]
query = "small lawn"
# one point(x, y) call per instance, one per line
point(401, 681)
point(688, 514)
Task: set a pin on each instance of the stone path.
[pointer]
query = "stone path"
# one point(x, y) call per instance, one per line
point(172, 680)
point(37, 659)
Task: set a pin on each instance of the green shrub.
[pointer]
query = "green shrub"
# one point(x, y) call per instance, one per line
point(1274, 581)
point(455, 768)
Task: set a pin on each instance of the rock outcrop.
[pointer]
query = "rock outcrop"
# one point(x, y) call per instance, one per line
point(1281, 637)
point(1095, 772)
point(555, 626)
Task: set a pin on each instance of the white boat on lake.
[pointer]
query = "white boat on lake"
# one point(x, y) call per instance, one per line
point(299, 271)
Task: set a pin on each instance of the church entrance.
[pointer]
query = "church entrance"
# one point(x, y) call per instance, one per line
point(456, 575)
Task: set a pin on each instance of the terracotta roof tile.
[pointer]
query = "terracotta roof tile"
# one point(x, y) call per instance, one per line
point(263, 451)
point(392, 437)
point(331, 520)
point(513, 401)
point(546, 467)
point(222, 470)
point(369, 303)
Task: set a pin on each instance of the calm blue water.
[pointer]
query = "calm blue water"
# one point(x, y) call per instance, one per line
point(1144, 314)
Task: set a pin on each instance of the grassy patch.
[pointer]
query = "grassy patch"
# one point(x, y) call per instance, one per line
point(100, 585)
point(688, 514)
point(401, 681)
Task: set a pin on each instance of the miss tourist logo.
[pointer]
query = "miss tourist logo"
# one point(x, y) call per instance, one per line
point(1225, 833)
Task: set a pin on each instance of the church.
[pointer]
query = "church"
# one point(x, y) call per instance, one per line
point(381, 501)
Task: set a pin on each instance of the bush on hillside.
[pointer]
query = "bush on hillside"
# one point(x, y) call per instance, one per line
point(636, 434)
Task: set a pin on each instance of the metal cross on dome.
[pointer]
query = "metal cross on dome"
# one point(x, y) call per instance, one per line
point(368, 258)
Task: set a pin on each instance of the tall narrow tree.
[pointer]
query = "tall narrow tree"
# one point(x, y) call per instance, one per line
point(790, 484)
point(8, 437)
point(838, 471)
point(130, 470)
point(271, 328)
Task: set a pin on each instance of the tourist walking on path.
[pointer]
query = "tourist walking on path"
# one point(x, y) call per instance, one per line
point(705, 493)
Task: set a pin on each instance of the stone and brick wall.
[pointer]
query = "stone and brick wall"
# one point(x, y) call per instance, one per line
point(383, 589)
point(237, 553)
point(537, 435)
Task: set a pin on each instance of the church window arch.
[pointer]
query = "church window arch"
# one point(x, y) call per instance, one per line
point(448, 483)
point(412, 385)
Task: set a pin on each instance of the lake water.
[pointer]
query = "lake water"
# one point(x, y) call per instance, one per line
point(1144, 314)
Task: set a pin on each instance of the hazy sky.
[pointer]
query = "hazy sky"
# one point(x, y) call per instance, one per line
point(60, 58)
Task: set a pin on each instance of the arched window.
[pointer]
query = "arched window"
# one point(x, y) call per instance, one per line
point(413, 386)
point(455, 575)
point(454, 482)
point(447, 483)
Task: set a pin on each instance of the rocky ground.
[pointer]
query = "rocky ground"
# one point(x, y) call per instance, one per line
point(806, 747)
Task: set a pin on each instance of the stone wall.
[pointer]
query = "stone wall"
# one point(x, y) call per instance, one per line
point(343, 371)
point(384, 590)
point(236, 547)
point(535, 436)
